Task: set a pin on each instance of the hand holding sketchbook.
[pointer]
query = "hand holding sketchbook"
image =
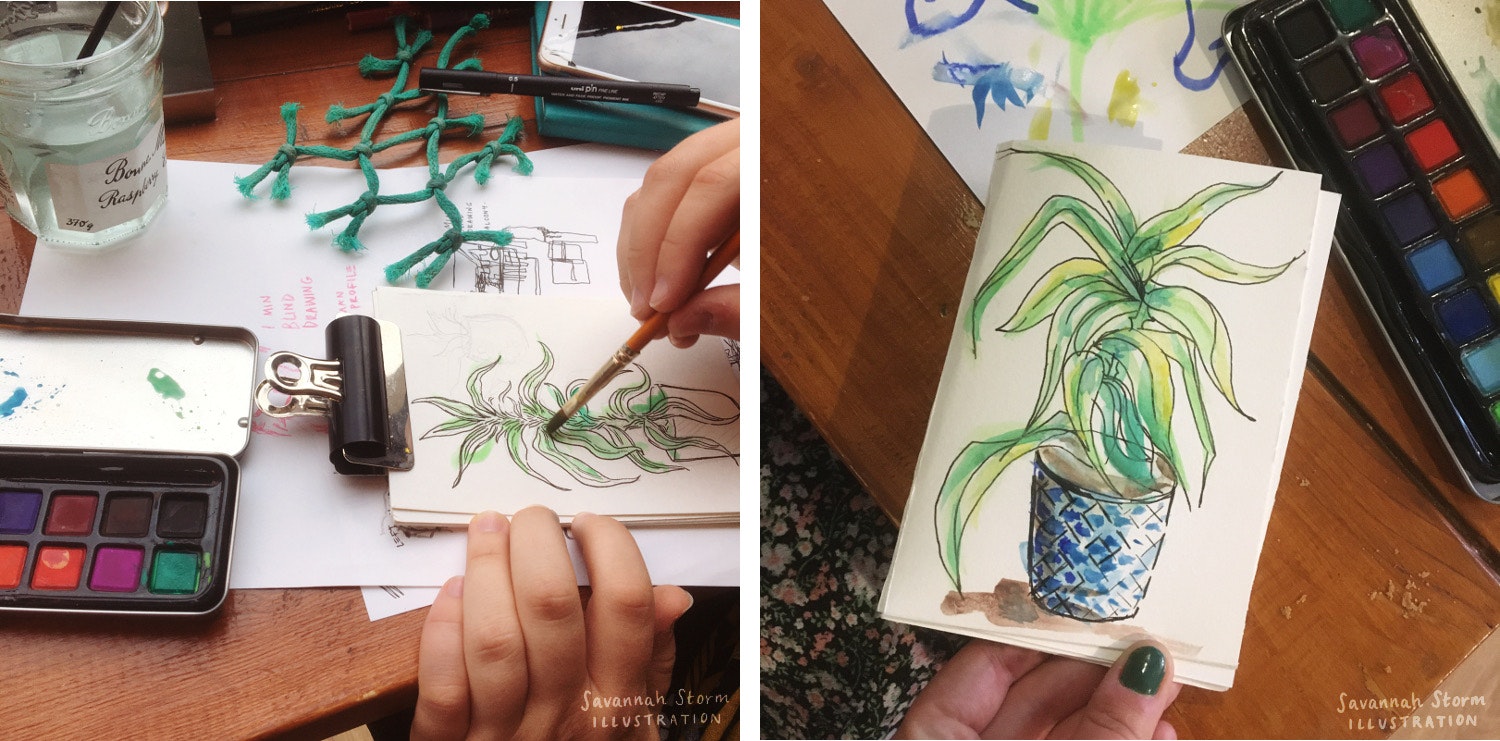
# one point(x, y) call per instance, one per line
point(1108, 432)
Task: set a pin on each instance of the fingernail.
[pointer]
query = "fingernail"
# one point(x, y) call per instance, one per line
point(1144, 670)
point(658, 295)
point(455, 587)
point(489, 521)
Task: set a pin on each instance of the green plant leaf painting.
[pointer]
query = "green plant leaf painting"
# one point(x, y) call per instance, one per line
point(1128, 351)
point(643, 423)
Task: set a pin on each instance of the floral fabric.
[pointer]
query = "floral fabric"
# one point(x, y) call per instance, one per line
point(830, 667)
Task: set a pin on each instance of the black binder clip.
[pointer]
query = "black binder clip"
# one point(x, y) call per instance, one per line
point(361, 389)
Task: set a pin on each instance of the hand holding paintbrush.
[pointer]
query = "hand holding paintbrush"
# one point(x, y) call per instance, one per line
point(649, 329)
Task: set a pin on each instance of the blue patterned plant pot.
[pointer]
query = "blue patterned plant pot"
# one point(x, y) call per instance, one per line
point(1092, 553)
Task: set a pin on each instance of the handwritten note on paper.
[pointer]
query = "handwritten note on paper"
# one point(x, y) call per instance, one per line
point(213, 257)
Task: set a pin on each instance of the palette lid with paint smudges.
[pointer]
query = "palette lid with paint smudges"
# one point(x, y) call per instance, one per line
point(111, 385)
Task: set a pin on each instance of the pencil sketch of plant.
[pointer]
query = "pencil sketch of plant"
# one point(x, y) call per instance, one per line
point(638, 420)
point(1124, 348)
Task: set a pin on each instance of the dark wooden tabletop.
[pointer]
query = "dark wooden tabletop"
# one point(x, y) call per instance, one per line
point(867, 235)
point(304, 663)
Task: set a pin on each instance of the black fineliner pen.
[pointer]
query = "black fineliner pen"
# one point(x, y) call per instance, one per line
point(476, 82)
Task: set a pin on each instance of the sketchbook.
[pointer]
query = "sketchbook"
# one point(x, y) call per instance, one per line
point(1107, 437)
point(485, 372)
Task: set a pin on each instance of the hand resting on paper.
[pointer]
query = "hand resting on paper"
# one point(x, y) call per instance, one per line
point(509, 650)
point(991, 690)
point(688, 203)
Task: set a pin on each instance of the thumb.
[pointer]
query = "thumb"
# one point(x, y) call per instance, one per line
point(671, 604)
point(1130, 701)
point(714, 311)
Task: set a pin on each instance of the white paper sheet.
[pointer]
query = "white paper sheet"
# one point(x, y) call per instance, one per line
point(973, 73)
point(1200, 586)
point(213, 257)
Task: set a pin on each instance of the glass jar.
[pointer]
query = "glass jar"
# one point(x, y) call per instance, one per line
point(82, 144)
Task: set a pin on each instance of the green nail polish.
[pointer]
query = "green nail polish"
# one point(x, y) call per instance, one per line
point(1144, 670)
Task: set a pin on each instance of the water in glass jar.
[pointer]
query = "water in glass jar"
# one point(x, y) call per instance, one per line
point(84, 170)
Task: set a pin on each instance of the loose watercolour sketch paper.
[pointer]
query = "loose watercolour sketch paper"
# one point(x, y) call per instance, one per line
point(1143, 73)
point(1107, 437)
point(485, 373)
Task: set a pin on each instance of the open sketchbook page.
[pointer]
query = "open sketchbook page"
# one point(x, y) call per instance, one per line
point(974, 74)
point(485, 374)
point(1118, 480)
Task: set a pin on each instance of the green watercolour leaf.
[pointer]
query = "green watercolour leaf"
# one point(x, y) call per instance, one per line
point(1193, 317)
point(1070, 276)
point(1212, 264)
point(451, 427)
point(1150, 370)
point(969, 478)
point(595, 443)
point(453, 408)
point(515, 442)
point(474, 385)
point(1172, 228)
point(573, 466)
point(1059, 210)
point(1081, 382)
point(1122, 217)
point(1175, 348)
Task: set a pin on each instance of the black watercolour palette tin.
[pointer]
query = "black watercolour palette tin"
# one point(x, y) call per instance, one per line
point(1356, 90)
point(118, 483)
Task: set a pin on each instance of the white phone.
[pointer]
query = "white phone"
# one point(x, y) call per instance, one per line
point(645, 43)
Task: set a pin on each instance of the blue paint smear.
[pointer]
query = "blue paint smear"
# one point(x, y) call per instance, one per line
point(1001, 82)
point(16, 398)
point(1196, 84)
point(945, 21)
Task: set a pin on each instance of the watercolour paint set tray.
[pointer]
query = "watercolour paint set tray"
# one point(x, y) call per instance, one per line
point(118, 478)
point(1359, 91)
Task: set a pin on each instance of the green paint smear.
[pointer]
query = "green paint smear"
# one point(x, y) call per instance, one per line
point(165, 385)
point(480, 454)
point(1491, 97)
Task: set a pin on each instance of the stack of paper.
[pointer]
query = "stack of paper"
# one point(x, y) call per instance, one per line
point(1107, 438)
point(486, 372)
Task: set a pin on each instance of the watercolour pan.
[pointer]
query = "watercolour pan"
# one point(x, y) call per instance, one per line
point(1150, 314)
point(118, 482)
point(1356, 90)
point(486, 372)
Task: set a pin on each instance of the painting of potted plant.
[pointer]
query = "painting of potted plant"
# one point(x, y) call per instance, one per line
point(1127, 348)
point(639, 418)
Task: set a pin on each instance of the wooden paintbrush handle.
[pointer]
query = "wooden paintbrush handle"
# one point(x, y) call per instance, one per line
point(720, 259)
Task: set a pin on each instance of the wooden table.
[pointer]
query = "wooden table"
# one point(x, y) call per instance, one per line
point(304, 663)
point(867, 238)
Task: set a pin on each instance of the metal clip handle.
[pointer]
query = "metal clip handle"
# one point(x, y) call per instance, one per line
point(311, 386)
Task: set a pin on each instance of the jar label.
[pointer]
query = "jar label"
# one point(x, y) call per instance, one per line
point(110, 191)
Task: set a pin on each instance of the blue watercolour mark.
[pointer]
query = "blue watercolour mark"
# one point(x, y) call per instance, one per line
point(8, 407)
point(940, 23)
point(12, 374)
point(1197, 84)
point(998, 81)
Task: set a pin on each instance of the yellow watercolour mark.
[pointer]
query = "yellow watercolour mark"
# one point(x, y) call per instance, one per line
point(1041, 123)
point(1035, 54)
point(1492, 20)
point(1125, 101)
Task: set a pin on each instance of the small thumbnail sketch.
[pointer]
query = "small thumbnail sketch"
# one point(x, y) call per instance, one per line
point(536, 257)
